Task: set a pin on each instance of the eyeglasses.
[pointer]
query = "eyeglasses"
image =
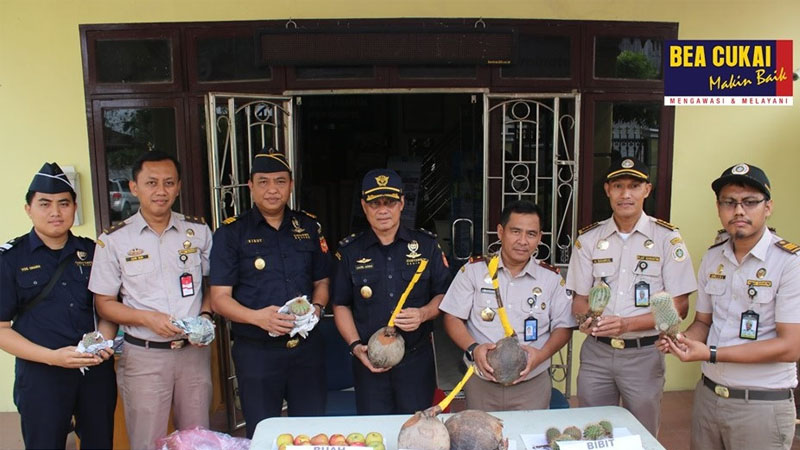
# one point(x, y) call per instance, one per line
point(747, 204)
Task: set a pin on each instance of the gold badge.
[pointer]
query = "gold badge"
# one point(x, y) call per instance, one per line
point(382, 180)
point(627, 163)
point(618, 344)
point(649, 243)
point(487, 314)
point(189, 232)
point(562, 282)
point(187, 244)
point(364, 261)
point(543, 306)
point(82, 255)
point(720, 268)
point(762, 272)
point(537, 291)
point(292, 343)
point(259, 263)
point(101, 243)
point(296, 226)
point(135, 252)
point(366, 291)
point(602, 244)
point(578, 244)
point(413, 246)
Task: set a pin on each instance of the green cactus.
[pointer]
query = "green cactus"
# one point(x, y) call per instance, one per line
point(599, 297)
point(551, 434)
point(609, 429)
point(593, 432)
point(665, 315)
point(564, 437)
point(573, 431)
point(300, 307)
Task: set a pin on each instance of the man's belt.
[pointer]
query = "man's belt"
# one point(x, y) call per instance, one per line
point(747, 394)
point(619, 344)
point(178, 343)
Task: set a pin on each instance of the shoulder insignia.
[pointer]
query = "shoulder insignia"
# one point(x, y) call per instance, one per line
point(347, 240)
point(720, 231)
point(549, 267)
point(194, 219)
point(229, 220)
point(476, 258)
point(115, 227)
point(666, 224)
point(10, 244)
point(788, 246)
point(429, 233)
point(588, 227)
point(717, 244)
point(309, 214)
point(774, 231)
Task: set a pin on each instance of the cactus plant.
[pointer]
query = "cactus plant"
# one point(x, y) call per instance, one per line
point(564, 437)
point(609, 429)
point(551, 434)
point(299, 306)
point(573, 431)
point(665, 315)
point(593, 432)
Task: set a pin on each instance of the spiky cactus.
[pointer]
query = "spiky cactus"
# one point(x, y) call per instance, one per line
point(299, 306)
point(564, 437)
point(593, 432)
point(551, 434)
point(599, 296)
point(607, 427)
point(573, 431)
point(665, 315)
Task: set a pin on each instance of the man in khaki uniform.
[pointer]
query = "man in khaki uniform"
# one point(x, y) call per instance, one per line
point(156, 260)
point(536, 302)
point(636, 255)
point(747, 327)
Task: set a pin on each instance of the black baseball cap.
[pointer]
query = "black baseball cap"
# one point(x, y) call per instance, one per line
point(269, 160)
point(746, 174)
point(381, 183)
point(628, 167)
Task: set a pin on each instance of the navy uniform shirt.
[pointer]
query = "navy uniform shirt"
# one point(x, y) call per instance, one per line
point(371, 277)
point(67, 312)
point(265, 266)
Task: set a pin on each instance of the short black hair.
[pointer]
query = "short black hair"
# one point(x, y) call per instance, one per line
point(29, 196)
point(153, 156)
point(519, 207)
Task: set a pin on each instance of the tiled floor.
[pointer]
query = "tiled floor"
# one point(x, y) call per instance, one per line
point(674, 434)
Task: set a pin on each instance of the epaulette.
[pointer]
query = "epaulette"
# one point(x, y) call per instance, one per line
point(195, 219)
point(721, 230)
point(348, 239)
point(549, 267)
point(308, 214)
point(115, 227)
point(788, 246)
point(666, 224)
point(476, 258)
point(429, 233)
point(588, 227)
point(717, 244)
point(774, 231)
point(229, 220)
point(10, 244)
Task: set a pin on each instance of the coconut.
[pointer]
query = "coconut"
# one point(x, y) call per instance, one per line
point(507, 359)
point(385, 348)
point(424, 431)
point(475, 430)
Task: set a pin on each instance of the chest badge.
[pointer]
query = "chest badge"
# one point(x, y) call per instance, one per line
point(135, 252)
point(537, 291)
point(602, 244)
point(82, 255)
point(413, 246)
point(189, 232)
point(649, 243)
point(259, 263)
point(366, 291)
point(296, 226)
point(487, 314)
point(187, 244)
point(761, 273)
point(364, 261)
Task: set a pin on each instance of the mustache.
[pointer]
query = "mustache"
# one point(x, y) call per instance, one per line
point(740, 219)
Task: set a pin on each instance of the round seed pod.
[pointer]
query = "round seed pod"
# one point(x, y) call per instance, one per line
point(423, 431)
point(507, 359)
point(475, 430)
point(385, 348)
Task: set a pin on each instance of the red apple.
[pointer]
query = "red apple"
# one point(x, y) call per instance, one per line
point(320, 439)
point(302, 439)
point(337, 439)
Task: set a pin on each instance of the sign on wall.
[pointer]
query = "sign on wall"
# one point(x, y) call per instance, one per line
point(735, 73)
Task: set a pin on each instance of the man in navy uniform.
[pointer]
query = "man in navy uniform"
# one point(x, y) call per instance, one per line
point(259, 261)
point(45, 309)
point(374, 269)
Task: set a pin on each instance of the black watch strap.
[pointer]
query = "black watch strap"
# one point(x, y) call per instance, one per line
point(354, 344)
point(712, 357)
point(469, 350)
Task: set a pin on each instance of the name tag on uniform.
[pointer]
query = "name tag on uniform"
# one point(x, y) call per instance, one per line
point(748, 327)
point(187, 285)
point(531, 329)
point(487, 291)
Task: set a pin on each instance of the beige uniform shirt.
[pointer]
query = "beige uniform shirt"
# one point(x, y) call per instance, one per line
point(774, 273)
point(471, 291)
point(654, 253)
point(144, 268)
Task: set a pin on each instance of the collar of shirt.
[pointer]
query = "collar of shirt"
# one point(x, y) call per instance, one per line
point(137, 221)
point(644, 226)
point(370, 238)
point(73, 244)
point(256, 218)
point(758, 251)
point(529, 268)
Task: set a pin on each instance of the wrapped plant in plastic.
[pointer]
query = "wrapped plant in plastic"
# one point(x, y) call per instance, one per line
point(305, 320)
point(199, 330)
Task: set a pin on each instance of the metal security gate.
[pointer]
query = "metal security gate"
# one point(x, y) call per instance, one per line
point(531, 152)
point(238, 126)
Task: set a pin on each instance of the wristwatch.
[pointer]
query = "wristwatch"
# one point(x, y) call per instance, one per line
point(712, 358)
point(354, 344)
point(469, 350)
point(208, 314)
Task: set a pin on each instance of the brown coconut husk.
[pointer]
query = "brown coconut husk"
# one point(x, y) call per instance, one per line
point(424, 431)
point(475, 430)
point(507, 359)
point(386, 348)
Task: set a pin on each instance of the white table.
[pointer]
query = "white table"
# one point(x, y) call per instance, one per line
point(514, 424)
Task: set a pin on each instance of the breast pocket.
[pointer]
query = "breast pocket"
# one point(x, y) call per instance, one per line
point(138, 267)
point(419, 294)
point(650, 273)
point(32, 281)
point(602, 268)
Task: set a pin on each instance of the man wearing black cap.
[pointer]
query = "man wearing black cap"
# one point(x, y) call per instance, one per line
point(747, 327)
point(45, 309)
point(637, 256)
point(155, 261)
point(260, 260)
point(374, 269)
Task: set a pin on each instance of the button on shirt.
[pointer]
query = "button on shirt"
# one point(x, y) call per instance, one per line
point(723, 294)
point(472, 291)
point(384, 271)
point(66, 313)
point(265, 266)
point(652, 253)
point(145, 268)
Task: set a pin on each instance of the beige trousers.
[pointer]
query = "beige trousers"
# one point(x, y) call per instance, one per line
point(490, 396)
point(737, 424)
point(153, 381)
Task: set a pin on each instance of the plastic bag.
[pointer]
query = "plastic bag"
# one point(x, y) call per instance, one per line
point(92, 342)
point(201, 439)
point(302, 324)
point(199, 330)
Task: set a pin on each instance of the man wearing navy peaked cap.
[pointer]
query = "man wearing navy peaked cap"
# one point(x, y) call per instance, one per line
point(45, 309)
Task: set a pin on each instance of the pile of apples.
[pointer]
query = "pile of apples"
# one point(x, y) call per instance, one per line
point(373, 440)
